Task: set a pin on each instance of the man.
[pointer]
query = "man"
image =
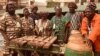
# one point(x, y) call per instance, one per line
point(58, 23)
point(91, 27)
point(10, 26)
point(34, 15)
point(27, 23)
point(72, 18)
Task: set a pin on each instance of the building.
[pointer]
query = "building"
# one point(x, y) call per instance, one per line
point(46, 3)
point(2, 3)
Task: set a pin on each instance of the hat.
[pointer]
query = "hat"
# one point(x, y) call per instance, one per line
point(92, 5)
point(72, 4)
point(11, 2)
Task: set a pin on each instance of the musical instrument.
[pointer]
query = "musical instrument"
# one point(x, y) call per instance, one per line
point(77, 46)
point(36, 41)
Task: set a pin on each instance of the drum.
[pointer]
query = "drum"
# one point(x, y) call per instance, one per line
point(77, 46)
point(71, 52)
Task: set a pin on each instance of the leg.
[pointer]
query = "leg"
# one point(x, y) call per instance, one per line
point(14, 53)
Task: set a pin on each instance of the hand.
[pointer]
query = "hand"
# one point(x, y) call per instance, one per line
point(6, 42)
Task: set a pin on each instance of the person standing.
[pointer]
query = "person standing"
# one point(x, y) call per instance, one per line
point(73, 19)
point(58, 24)
point(43, 25)
point(27, 28)
point(34, 15)
point(27, 23)
point(10, 26)
point(90, 29)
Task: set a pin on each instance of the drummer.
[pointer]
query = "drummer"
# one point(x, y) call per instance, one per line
point(10, 26)
point(92, 4)
point(72, 18)
point(43, 25)
point(27, 23)
point(90, 28)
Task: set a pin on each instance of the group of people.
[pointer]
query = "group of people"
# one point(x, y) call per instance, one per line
point(13, 26)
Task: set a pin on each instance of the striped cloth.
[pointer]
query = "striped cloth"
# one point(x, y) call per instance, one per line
point(75, 20)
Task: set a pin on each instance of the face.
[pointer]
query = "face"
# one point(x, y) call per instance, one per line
point(89, 13)
point(44, 15)
point(34, 10)
point(26, 12)
point(58, 11)
point(11, 8)
point(71, 9)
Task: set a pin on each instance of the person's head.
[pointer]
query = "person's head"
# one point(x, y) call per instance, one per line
point(92, 0)
point(89, 12)
point(58, 10)
point(44, 15)
point(10, 7)
point(26, 12)
point(34, 9)
point(72, 6)
point(92, 5)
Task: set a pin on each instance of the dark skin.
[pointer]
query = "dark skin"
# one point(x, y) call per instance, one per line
point(89, 13)
point(58, 12)
point(71, 9)
point(34, 10)
point(44, 15)
point(11, 9)
point(26, 13)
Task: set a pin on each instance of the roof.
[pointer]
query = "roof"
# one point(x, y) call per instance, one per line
point(64, 9)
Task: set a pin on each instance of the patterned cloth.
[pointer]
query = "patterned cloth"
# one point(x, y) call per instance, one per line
point(43, 26)
point(27, 26)
point(58, 26)
point(75, 20)
point(11, 25)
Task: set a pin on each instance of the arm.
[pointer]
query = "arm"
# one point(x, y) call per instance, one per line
point(4, 35)
point(84, 27)
point(2, 30)
point(66, 28)
point(95, 32)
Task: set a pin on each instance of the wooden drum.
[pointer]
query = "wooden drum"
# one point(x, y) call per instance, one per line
point(77, 46)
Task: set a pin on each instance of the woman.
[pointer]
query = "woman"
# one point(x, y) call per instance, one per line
point(72, 18)
point(91, 28)
point(58, 24)
point(43, 25)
